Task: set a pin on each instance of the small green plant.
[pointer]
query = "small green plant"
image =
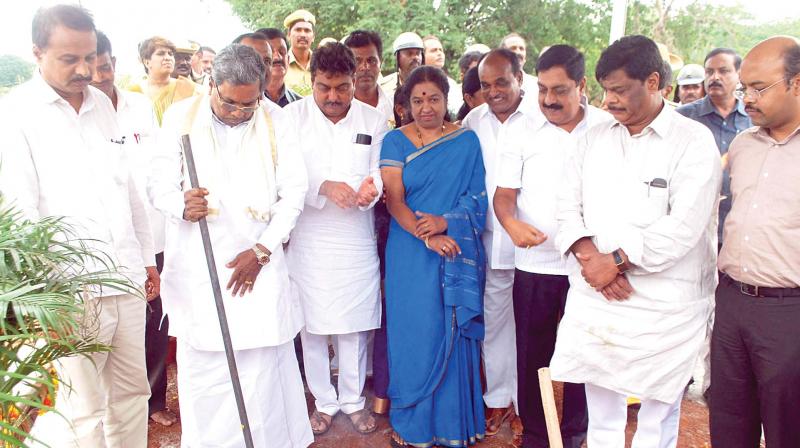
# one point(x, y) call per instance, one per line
point(43, 283)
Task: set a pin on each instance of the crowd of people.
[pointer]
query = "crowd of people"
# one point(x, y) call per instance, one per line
point(448, 238)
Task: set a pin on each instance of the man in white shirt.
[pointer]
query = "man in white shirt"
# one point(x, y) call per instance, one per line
point(499, 123)
point(367, 48)
point(638, 211)
point(333, 259)
point(529, 180)
point(63, 155)
point(138, 125)
point(252, 187)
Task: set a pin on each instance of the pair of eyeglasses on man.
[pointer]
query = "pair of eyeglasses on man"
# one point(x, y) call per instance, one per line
point(229, 107)
point(741, 92)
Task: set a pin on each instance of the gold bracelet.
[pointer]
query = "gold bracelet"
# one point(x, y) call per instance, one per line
point(426, 242)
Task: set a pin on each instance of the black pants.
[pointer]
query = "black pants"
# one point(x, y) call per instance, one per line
point(156, 341)
point(755, 370)
point(538, 305)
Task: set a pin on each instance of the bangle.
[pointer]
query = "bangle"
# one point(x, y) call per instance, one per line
point(426, 242)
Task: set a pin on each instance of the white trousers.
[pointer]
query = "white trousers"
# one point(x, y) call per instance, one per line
point(273, 395)
point(351, 350)
point(103, 400)
point(500, 341)
point(657, 423)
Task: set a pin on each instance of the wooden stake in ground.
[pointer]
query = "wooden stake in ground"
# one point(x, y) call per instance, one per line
point(549, 405)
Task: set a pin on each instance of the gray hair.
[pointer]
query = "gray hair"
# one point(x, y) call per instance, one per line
point(238, 65)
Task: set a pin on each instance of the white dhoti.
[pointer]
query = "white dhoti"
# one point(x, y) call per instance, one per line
point(657, 422)
point(351, 350)
point(500, 341)
point(273, 395)
point(103, 399)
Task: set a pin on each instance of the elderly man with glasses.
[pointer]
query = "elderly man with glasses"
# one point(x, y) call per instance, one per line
point(253, 184)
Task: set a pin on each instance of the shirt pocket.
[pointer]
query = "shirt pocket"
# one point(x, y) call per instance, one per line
point(650, 204)
point(360, 159)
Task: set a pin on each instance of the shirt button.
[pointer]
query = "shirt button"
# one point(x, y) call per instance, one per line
point(744, 269)
point(747, 238)
point(755, 205)
point(724, 142)
point(724, 123)
point(766, 174)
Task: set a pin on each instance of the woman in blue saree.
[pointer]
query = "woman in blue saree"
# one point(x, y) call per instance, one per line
point(435, 270)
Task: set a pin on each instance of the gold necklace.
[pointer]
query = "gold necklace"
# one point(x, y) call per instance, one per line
point(419, 133)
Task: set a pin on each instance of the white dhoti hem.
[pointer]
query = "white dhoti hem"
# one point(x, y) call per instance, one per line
point(500, 341)
point(351, 349)
point(102, 399)
point(273, 394)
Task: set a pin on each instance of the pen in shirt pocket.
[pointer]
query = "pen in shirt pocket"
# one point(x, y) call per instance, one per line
point(120, 141)
point(655, 183)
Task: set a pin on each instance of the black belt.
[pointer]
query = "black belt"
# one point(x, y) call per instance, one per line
point(762, 291)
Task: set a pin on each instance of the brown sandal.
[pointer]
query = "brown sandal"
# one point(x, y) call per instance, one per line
point(396, 441)
point(363, 421)
point(495, 419)
point(321, 420)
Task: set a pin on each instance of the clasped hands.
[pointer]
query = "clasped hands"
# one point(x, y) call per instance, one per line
point(601, 273)
point(245, 265)
point(345, 197)
point(430, 228)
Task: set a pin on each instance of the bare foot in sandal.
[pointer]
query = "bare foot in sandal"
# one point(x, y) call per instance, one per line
point(320, 422)
point(363, 421)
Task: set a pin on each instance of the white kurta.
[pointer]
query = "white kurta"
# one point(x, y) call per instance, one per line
point(139, 127)
point(333, 258)
point(644, 346)
point(268, 316)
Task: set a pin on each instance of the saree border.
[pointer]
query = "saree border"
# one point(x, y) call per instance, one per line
point(434, 144)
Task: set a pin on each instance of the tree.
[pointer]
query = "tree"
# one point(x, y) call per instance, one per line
point(14, 70)
point(690, 30)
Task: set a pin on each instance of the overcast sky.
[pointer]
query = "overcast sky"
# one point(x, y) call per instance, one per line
point(211, 22)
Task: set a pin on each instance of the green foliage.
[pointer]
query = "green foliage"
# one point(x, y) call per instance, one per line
point(14, 70)
point(42, 283)
point(689, 31)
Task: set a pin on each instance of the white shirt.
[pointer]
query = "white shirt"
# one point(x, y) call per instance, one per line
point(138, 124)
point(530, 85)
point(56, 162)
point(494, 137)
point(333, 258)
point(535, 167)
point(454, 97)
point(268, 316)
point(646, 345)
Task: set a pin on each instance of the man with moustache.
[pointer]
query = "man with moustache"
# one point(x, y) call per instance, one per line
point(184, 50)
point(690, 84)
point(503, 121)
point(434, 55)
point(62, 155)
point(637, 210)
point(277, 91)
point(138, 125)
point(333, 258)
point(252, 184)
point(755, 348)
point(529, 179)
point(300, 25)
point(409, 54)
point(721, 112)
point(367, 48)
point(517, 44)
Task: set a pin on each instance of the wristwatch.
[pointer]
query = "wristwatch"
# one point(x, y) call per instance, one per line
point(261, 256)
point(619, 261)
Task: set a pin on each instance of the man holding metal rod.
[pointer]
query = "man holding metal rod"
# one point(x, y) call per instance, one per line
point(252, 191)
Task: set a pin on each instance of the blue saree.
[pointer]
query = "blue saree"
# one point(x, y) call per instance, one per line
point(434, 306)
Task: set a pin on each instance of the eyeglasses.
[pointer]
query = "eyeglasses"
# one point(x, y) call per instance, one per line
point(741, 92)
point(234, 108)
